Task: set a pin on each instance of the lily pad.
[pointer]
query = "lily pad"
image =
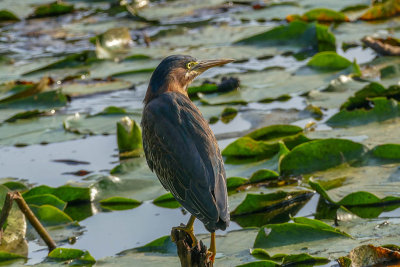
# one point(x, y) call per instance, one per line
point(383, 109)
point(360, 198)
point(6, 15)
point(46, 199)
point(274, 131)
point(256, 203)
point(7, 256)
point(305, 230)
point(53, 9)
point(321, 15)
point(305, 34)
point(234, 182)
point(320, 155)
point(66, 193)
point(77, 256)
point(166, 201)
point(384, 10)
point(387, 151)
point(129, 135)
point(264, 263)
point(328, 61)
point(119, 203)
point(263, 175)
point(50, 216)
point(161, 245)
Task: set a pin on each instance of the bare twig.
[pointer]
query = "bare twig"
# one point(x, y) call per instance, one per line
point(28, 214)
point(190, 256)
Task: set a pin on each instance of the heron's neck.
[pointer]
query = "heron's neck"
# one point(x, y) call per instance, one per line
point(169, 85)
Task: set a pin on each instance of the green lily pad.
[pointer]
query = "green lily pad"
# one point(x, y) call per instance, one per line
point(320, 14)
point(234, 182)
point(384, 10)
point(361, 97)
point(263, 175)
point(383, 109)
point(264, 263)
point(292, 259)
point(15, 186)
point(301, 231)
point(8, 256)
point(119, 203)
point(66, 193)
point(328, 60)
point(24, 115)
point(83, 59)
point(6, 15)
point(166, 201)
point(320, 155)
point(387, 151)
point(274, 131)
point(53, 9)
point(161, 245)
point(50, 216)
point(46, 199)
point(256, 203)
point(360, 198)
point(79, 257)
point(305, 34)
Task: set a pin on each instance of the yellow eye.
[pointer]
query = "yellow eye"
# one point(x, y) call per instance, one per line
point(191, 65)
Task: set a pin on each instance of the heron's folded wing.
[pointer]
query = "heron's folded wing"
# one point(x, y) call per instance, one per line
point(183, 152)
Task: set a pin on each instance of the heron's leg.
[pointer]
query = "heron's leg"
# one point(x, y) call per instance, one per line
point(212, 248)
point(188, 228)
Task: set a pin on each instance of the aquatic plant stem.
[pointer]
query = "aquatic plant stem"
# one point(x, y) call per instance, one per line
point(16, 196)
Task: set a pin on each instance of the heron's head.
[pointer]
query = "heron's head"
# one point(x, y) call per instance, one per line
point(175, 73)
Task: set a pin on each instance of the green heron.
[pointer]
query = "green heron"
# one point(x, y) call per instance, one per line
point(180, 146)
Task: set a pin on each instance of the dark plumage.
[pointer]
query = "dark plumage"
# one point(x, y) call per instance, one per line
point(179, 144)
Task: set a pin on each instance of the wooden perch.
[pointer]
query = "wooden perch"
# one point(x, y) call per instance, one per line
point(190, 256)
point(28, 214)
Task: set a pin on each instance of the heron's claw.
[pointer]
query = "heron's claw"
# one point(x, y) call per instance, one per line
point(189, 231)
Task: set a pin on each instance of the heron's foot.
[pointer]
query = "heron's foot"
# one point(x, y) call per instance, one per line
point(189, 231)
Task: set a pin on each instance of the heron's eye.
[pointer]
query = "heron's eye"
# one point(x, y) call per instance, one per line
point(191, 65)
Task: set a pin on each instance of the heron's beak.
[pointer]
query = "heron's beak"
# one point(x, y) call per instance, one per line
point(206, 64)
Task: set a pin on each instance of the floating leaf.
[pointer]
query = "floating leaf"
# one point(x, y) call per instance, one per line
point(264, 263)
point(161, 245)
point(361, 97)
point(166, 201)
point(321, 15)
point(305, 34)
point(383, 109)
point(48, 199)
point(384, 10)
point(304, 258)
point(387, 151)
point(234, 182)
point(50, 216)
point(66, 193)
point(328, 60)
point(263, 202)
point(119, 203)
point(274, 131)
point(7, 256)
point(298, 232)
point(360, 198)
point(53, 9)
point(263, 175)
point(6, 15)
point(228, 114)
point(320, 155)
point(15, 186)
point(25, 115)
point(85, 58)
point(77, 256)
